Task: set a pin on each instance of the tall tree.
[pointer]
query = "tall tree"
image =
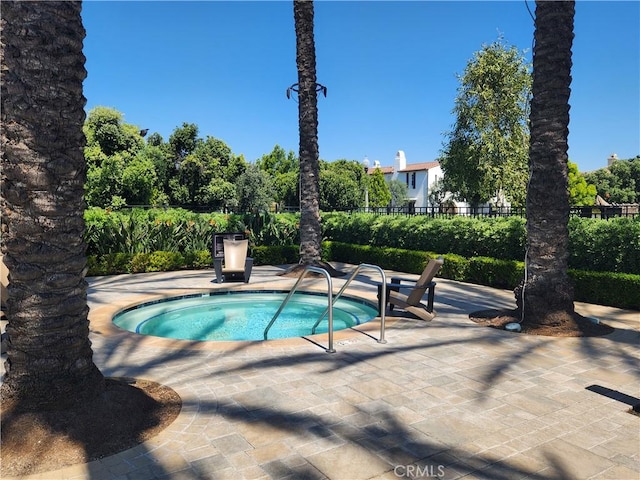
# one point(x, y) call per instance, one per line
point(310, 229)
point(379, 193)
point(580, 192)
point(546, 295)
point(486, 152)
point(50, 361)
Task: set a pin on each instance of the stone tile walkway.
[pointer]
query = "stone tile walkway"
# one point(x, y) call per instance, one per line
point(446, 399)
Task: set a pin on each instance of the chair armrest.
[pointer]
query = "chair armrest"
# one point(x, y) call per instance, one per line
point(403, 279)
point(404, 285)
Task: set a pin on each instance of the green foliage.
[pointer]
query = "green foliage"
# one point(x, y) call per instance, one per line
point(279, 162)
point(285, 186)
point(275, 255)
point(497, 273)
point(108, 264)
point(603, 288)
point(198, 259)
point(379, 193)
point(487, 150)
point(159, 261)
point(399, 192)
point(117, 171)
point(495, 237)
point(104, 128)
point(254, 190)
point(178, 230)
point(621, 290)
point(341, 185)
point(409, 261)
point(612, 245)
point(183, 141)
point(580, 192)
point(619, 183)
point(138, 181)
point(338, 191)
point(267, 228)
point(609, 246)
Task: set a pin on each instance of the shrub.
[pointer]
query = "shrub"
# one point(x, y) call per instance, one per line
point(277, 255)
point(621, 290)
point(164, 261)
point(139, 263)
point(198, 259)
point(494, 272)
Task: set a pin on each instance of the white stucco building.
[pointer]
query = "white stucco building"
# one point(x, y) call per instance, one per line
point(419, 178)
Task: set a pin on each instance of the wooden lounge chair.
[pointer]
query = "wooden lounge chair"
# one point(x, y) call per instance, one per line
point(412, 301)
point(235, 266)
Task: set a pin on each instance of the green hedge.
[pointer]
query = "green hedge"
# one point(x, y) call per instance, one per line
point(116, 263)
point(595, 245)
point(602, 288)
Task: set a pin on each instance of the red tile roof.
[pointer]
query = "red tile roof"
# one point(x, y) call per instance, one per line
point(383, 169)
point(413, 167)
point(420, 166)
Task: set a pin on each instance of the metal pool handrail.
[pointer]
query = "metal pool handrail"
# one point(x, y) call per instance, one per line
point(383, 297)
point(307, 269)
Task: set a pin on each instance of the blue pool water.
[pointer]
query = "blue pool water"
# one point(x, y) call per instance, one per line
point(241, 315)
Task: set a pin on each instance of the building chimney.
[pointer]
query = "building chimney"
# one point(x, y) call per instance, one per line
point(612, 158)
point(401, 161)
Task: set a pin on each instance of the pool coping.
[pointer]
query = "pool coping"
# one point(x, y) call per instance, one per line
point(101, 322)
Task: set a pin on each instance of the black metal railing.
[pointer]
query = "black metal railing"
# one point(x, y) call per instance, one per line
point(600, 211)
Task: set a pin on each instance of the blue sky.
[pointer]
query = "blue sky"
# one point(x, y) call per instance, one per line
point(390, 69)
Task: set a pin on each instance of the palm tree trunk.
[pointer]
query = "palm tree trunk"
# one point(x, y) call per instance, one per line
point(50, 361)
point(548, 294)
point(310, 229)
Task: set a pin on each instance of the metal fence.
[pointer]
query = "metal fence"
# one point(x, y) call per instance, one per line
point(601, 212)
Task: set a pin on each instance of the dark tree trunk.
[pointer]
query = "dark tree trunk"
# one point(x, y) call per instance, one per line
point(310, 229)
point(50, 361)
point(547, 296)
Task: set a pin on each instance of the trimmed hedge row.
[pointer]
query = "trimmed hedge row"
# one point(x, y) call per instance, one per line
point(621, 290)
point(594, 245)
point(603, 288)
point(116, 263)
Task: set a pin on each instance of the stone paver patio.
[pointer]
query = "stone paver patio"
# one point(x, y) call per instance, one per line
point(446, 399)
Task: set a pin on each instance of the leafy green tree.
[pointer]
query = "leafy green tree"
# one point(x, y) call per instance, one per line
point(618, 183)
point(164, 169)
point(341, 185)
point(580, 192)
point(111, 153)
point(104, 182)
point(183, 141)
point(399, 192)
point(278, 161)
point(338, 191)
point(254, 190)
point(155, 139)
point(379, 193)
point(139, 181)
point(487, 149)
point(205, 170)
point(284, 170)
point(105, 127)
point(221, 194)
point(437, 192)
point(286, 188)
